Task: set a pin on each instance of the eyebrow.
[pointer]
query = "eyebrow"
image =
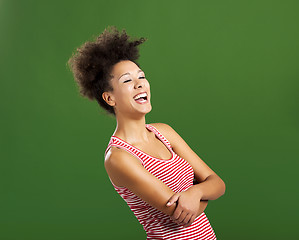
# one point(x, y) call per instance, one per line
point(129, 73)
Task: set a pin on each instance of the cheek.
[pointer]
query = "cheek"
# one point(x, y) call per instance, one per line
point(124, 94)
point(148, 85)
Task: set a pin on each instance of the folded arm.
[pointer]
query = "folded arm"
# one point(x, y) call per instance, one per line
point(125, 170)
point(210, 186)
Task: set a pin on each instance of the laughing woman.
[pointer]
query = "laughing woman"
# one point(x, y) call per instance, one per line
point(149, 165)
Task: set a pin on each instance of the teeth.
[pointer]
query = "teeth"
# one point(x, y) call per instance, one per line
point(140, 95)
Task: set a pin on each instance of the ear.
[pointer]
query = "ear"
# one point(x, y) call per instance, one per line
point(108, 98)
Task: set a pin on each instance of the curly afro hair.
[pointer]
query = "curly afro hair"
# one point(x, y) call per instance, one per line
point(92, 63)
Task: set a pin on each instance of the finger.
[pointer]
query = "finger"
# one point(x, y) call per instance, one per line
point(190, 221)
point(182, 217)
point(177, 212)
point(187, 219)
point(173, 199)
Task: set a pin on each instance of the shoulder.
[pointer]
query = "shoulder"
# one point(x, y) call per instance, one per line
point(163, 127)
point(117, 157)
point(121, 165)
point(167, 131)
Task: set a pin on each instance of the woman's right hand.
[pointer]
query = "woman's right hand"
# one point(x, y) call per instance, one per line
point(187, 210)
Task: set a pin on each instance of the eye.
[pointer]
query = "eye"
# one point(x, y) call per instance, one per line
point(131, 80)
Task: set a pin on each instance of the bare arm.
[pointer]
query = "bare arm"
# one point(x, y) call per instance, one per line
point(203, 203)
point(125, 170)
point(187, 202)
point(210, 186)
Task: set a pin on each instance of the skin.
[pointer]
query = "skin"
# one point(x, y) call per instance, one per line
point(125, 170)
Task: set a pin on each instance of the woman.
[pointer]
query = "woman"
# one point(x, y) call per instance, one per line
point(149, 165)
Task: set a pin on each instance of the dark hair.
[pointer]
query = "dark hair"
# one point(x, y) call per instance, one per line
point(92, 63)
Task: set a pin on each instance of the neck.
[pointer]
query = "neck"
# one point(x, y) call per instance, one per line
point(132, 130)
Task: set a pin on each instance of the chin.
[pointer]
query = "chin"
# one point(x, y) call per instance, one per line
point(147, 110)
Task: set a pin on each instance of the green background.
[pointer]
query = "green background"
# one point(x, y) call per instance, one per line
point(223, 74)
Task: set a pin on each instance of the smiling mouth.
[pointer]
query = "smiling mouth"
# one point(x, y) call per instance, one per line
point(142, 100)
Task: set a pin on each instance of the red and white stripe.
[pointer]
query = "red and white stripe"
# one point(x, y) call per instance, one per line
point(178, 175)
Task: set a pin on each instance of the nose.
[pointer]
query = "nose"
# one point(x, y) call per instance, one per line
point(139, 83)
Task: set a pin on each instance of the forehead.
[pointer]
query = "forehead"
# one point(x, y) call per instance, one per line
point(123, 67)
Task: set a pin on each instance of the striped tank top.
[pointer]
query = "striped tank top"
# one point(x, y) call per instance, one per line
point(178, 175)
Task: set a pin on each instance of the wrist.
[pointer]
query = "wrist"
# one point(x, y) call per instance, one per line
point(196, 189)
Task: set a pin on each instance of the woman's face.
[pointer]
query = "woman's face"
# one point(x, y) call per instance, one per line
point(128, 82)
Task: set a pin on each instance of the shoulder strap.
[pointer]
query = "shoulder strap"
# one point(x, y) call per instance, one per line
point(160, 135)
point(114, 141)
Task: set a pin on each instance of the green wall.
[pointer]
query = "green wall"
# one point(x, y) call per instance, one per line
point(223, 74)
